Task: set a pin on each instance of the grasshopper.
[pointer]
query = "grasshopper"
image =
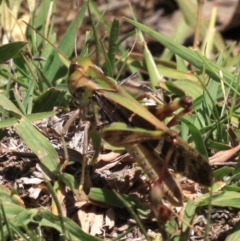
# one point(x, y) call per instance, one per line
point(151, 143)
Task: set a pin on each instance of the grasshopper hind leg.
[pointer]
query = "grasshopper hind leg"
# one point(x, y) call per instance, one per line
point(63, 133)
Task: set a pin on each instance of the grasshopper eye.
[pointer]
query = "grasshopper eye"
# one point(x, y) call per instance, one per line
point(74, 66)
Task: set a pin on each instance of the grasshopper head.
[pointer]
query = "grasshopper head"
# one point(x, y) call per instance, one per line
point(77, 78)
point(80, 78)
point(85, 79)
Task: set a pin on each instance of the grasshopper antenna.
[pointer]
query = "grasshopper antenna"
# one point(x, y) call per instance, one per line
point(76, 5)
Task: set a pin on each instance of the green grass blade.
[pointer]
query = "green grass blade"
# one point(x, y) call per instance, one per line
point(96, 38)
point(32, 117)
point(197, 137)
point(38, 144)
point(53, 68)
point(112, 49)
point(192, 57)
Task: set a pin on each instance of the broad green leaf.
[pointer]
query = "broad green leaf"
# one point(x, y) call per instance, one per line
point(9, 106)
point(109, 197)
point(7, 197)
point(219, 199)
point(11, 210)
point(8, 51)
point(38, 144)
point(235, 233)
point(173, 88)
point(227, 199)
point(233, 188)
point(69, 181)
point(177, 74)
point(48, 100)
point(190, 88)
point(223, 172)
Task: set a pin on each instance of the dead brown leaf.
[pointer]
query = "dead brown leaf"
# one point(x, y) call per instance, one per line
point(223, 156)
point(110, 218)
point(91, 221)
